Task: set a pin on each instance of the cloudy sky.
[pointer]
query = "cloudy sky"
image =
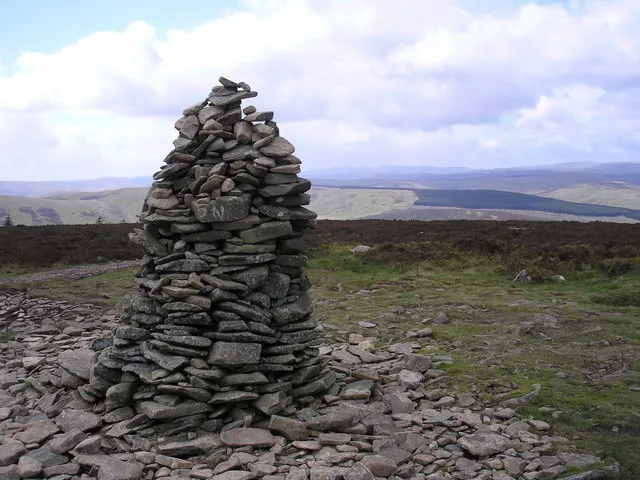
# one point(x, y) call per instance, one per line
point(91, 89)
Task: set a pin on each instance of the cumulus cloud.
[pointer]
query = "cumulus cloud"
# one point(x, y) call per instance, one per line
point(432, 82)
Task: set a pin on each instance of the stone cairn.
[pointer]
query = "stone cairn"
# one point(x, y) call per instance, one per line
point(221, 324)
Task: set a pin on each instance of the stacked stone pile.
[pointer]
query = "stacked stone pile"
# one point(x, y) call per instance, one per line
point(390, 414)
point(222, 321)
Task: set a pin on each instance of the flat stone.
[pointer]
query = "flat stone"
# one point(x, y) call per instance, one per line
point(254, 437)
point(47, 457)
point(290, 428)
point(358, 472)
point(198, 446)
point(380, 466)
point(158, 411)
point(168, 362)
point(38, 432)
point(62, 443)
point(70, 420)
point(230, 354)
point(66, 469)
point(398, 455)
point(292, 312)
point(270, 403)
point(186, 265)
point(266, 231)
point(338, 420)
point(285, 189)
point(235, 396)
point(77, 362)
point(148, 242)
point(279, 147)
point(234, 475)
point(111, 468)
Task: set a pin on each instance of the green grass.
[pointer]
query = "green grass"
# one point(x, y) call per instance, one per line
point(107, 289)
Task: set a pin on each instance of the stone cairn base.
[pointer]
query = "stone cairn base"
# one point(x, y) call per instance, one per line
point(222, 322)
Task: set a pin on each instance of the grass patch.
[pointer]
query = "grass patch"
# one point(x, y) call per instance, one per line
point(106, 289)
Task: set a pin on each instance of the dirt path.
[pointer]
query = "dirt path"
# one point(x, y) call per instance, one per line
point(71, 273)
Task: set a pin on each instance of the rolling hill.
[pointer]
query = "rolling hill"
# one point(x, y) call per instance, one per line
point(578, 190)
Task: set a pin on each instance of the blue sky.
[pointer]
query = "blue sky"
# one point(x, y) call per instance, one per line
point(49, 25)
point(94, 87)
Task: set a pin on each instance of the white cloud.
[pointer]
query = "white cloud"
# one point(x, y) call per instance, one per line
point(352, 82)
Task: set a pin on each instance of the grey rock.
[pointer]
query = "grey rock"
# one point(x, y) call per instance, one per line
point(46, 457)
point(380, 466)
point(29, 467)
point(410, 379)
point(234, 475)
point(9, 473)
point(401, 404)
point(38, 432)
point(441, 319)
point(66, 469)
point(279, 147)
point(417, 363)
point(292, 312)
point(359, 472)
point(484, 444)
point(578, 460)
point(111, 468)
point(61, 444)
point(270, 403)
point(231, 354)
point(223, 209)
point(198, 446)
point(254, 437)
point(158, 411)
point(398, 455)
point(235, 396)
point(70, 420)
point(266, 231)
point(338, 420)
point(10, 453)
point(290, 428)
point(77, 362)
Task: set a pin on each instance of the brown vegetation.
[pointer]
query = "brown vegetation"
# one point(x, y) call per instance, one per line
point(540, 246)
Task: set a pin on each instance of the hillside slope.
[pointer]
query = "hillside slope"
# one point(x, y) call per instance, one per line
point(617, 194)
point(113, 206)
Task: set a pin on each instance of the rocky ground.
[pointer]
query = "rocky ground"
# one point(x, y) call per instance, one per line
point(71, 273)
point(389, 415)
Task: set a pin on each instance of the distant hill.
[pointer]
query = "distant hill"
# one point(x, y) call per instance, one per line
point(39, 189)
point(495, 199)
point(113, 206)
point(610, 190)
point(618, 194)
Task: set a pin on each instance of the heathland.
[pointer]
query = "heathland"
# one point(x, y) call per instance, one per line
point(578, 335)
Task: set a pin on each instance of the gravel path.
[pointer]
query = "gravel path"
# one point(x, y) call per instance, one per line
point(71, 273)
